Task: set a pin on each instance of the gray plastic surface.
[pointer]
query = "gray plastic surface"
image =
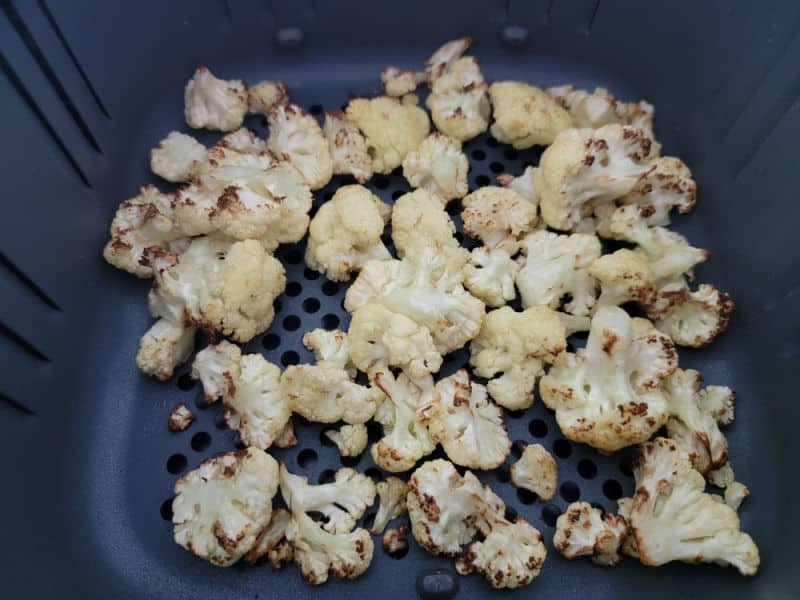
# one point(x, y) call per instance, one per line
point(87, 87)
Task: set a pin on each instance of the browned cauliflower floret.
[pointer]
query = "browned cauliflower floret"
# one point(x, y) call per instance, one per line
point(623, 277)
point(213, 103)
point(347, 146)
point(536, 471)
point(439, 166)
point(498, 216)
point(265, 95)
point(399, 82)
point(525, 116)
point(295, 136)
point(583, 530)
point(178, 157)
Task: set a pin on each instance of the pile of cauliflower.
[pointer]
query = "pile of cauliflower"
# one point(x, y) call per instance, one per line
point(536, 275)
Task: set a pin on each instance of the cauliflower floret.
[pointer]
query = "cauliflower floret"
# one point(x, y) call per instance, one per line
point(218, 367)
point(245, 141)
point(439, 166)
point(347, 146)
point(672, 518)
point(691, 424)
point(624, 277)
point(441, 60)
point(525, 115)
point(395, 541)
point(165, 346)
point(380, 338)
point(668, 185)
point(556, 265)
point(221, 508)
point(349, 439)
point(295, 136)
point(272, 542)
point(608, 394)
point(333, 546)
point(398, 82)
point(447, 510)
point(265, 95)
point(346, 233)
point(524, 185)
point(511, 556)
point(583, 530)
point(465, 421)
point(419, 222)
point(325, 394)
point(392, 494)
point(536, 471)
point(490, 276)
point(514, 344)
point(213, 103)
point(331, 349)
point(178, 157)
point(406, 438)
point(584, 168)
point(498, 216)
point(696, 318)
point(139, 223)
point(601, 108)
point(392, 129)
point(459, 102)
point(223, 287)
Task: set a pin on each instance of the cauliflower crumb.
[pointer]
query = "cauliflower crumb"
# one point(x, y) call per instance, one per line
point(296, 137)
point(178, 157)
point(490, 276)
point(583, 530)
point(180, 417)
point(245, 141)
point(497, 216)
point(439, 166)
point(525, 116)
point(349, 439)
point(398, 82)
point(392, 494)
point(394, 540)
point(213, 103)
point(266, 95)
point(347, 146)
point(536, 471)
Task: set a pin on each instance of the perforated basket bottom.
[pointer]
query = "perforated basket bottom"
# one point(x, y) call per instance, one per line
point(311, 301)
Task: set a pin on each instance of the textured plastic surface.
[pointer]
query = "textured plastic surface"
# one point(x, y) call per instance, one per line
point(87, 87)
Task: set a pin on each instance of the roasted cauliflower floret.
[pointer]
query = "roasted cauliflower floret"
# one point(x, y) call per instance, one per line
point(392, 496)
point(441, 60)
point(601, 108)
point(213, 103)
point(583, 530)
point(392, 129)
point(672, 518)
point(406, 438)
point(623, 277)
point(272, 542)
point(556, 265)
point(347, 146)
point(459, 102)
point(166, 345)
point(178, 157)
point(690, 318)
point(490, 275)
point(218, 367)
point(265, 95)
point(399, 82)
point(349, 439)
point(608, 394)
point(497, 216)
point(222, 506)
point(245, 141)
point(667, 185)
point(465, 421)
point(330, 348)
point(588, 167)
point(141, 222)
point(295, 136)
point(510, 350)
point(525, 115)
point(439, 166)
point(536, 471)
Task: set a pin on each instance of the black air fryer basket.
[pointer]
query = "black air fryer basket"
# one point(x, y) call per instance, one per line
point(88, 86)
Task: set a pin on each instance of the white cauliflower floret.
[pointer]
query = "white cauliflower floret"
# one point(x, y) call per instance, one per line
point(245, 141)
point(265, 95)
point(584, 168)
point(330, 348)
point(524, 185)
point(380, 338)
point(139, 223)
point(178, 157)
point(221, 508)
point(525, 115)
point(346, 233)
point(672, 518)
point(536, 471)
point(441, 60)
point(511, 556)
point(439, 166)
point(556, 265)
point(490, 276)
point(465, 421)
point(459, 102)
point(447, 510)
point(601, 108)
point(347, 146)
point(583, 530)
point(497, 216)
point(398, 82)
point(213, 103)
point(406, 438)
point(272, 542)
point(510, 350)
point(668, 185)
point(693, 319)
point(218, 367)
point(165, 346)
point(419, 223)
point(222, 287)
point(295, 136)
point(623, 277)
point(392, 129)
point(691, 424)
point(392, 496)
point(333, 546)
point(349, 439)
point(608, 394)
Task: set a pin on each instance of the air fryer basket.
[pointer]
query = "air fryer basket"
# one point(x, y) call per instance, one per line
point(88, 87)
